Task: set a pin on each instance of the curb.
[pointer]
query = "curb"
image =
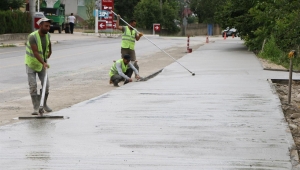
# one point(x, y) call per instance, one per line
point(286, 70)
point(20, 44)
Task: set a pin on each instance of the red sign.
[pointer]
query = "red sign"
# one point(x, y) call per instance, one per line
point(36, 26)
point(114, 26)
point(108, 5)
point(102, 25)
point(156, 27)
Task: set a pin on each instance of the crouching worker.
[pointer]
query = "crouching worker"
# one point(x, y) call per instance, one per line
point(122, 70)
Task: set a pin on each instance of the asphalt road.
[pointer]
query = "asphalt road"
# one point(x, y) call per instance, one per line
point(72, 54)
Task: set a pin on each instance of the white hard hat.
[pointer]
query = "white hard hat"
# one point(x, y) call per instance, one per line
point(43, 20)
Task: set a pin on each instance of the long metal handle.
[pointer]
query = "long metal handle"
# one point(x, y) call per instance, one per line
point(153, 43)
point(44, 90)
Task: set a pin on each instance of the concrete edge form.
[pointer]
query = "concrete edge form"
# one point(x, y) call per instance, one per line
point(151, 75)
point(286, 70)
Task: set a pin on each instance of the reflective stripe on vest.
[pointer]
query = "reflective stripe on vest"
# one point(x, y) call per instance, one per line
point(114, 70)
point(128, 39)
point(30, 59)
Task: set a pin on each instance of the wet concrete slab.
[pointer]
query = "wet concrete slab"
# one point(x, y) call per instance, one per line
point(228, 116)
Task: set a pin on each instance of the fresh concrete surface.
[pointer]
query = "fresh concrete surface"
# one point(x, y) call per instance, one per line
point(227, 116)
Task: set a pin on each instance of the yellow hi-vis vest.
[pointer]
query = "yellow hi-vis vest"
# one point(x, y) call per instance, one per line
point(128, 39)
point(30, 59)
point(113, 69)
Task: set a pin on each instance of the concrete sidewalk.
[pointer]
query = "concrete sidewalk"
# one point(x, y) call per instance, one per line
point(226, 117)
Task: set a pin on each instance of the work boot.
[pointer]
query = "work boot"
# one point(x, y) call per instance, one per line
point(36, 104)
point(46, 108)
point(126, 81)
point(116, 83)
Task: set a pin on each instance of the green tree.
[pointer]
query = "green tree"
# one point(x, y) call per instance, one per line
point(206, 9)
point(235, 13)
point(90, 7)
point(279, 19)
point(147, 12)
point(169, 13)
point(125, 8)
point(13, 4)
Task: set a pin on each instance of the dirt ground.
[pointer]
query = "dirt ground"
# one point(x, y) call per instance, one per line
point(75, 87)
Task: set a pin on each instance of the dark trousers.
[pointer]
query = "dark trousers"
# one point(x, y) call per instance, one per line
point(117, 78)
point(71, 27)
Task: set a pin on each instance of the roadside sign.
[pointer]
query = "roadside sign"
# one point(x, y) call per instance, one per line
point(114, 24)
point(38, 16)
point(102, 25)
point(108, 5)
point(104, 14)
point(156, 27)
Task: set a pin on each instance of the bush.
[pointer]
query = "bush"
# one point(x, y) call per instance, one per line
point(15, 22)
point(273, 53)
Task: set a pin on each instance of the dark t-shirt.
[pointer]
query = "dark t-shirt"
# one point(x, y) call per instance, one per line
point(32, 41)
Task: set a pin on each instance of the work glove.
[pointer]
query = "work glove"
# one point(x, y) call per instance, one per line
point(141, 34)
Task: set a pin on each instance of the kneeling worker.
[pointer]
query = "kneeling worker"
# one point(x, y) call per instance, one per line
point(121, 70)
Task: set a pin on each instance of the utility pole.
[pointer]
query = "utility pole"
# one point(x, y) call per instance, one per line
point(161, 5)
point(38, 6)
point(32, 12)
point(161, 13)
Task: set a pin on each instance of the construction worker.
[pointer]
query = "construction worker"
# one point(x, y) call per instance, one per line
point(128, 40)
point(38, 50)
point(122, 70)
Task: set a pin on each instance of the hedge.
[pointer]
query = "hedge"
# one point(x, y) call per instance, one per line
point(15, 22)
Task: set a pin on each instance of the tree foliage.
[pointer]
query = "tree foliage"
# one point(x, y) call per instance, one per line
point(11, 4)
point(206, 9)
point(148, 12)
point(125, 8)
point(258, 20)
point(15, 22)
point(90, 7)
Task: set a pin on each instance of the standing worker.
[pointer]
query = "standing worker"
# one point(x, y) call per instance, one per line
point(128, 40)
point(38, 50)
point(71, 20)
point(121, 70)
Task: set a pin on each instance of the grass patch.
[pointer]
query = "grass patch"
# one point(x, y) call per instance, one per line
point(7, 45)
point(271, 52)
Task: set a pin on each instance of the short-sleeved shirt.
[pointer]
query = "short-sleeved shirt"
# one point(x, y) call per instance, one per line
point(32, 41)
point(71, 19)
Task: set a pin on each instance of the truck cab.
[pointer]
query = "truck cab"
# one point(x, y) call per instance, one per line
point(56, 12)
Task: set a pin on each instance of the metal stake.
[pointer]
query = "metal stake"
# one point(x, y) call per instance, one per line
point(290, 81)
